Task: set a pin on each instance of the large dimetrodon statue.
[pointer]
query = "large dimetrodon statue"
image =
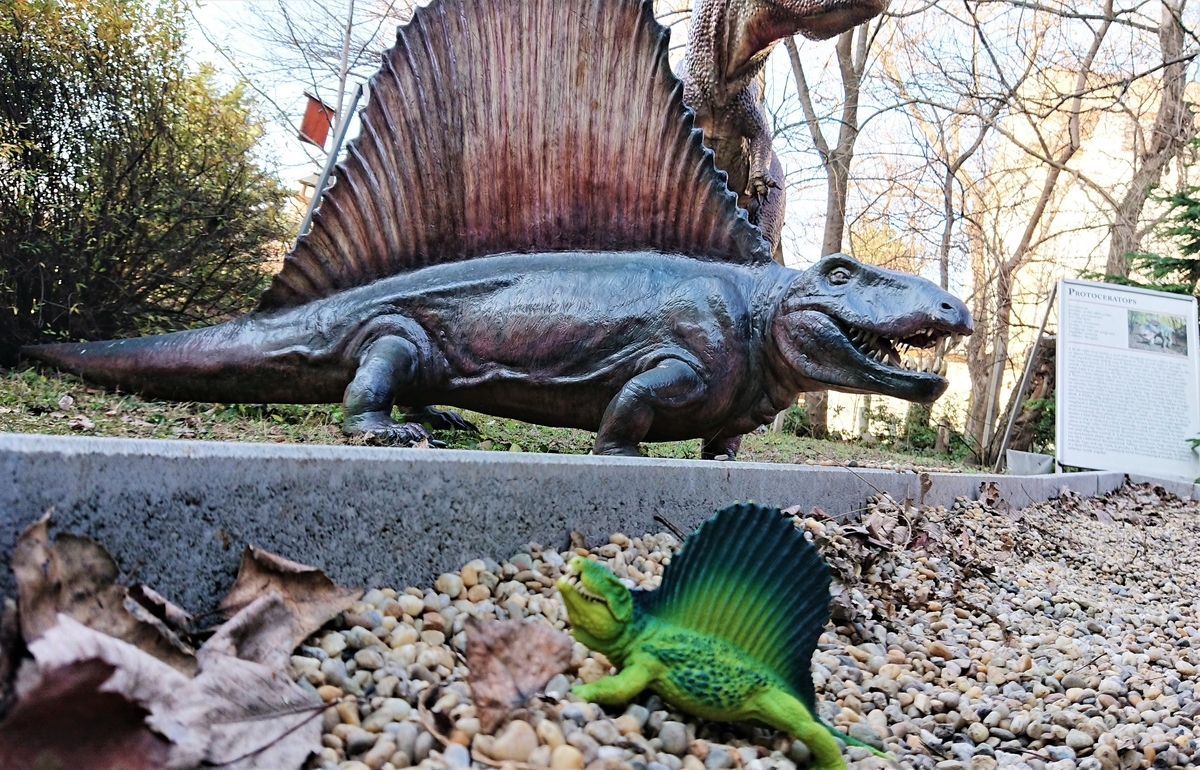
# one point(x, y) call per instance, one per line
point(729, 634)
point(529, 226)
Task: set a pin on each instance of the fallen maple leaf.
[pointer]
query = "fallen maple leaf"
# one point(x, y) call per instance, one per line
point(69, 721)
point(119, 654)
point(311, 598)
point(77, 577)
point(252, 714)
point(157, 605)
point(237, 714)
point(508, 662)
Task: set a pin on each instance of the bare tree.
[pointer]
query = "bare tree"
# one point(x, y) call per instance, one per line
point(1174, 125)
point(322, 48)
point(854, 54)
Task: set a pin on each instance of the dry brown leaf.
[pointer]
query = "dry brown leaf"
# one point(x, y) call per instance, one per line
point(926, 485)
point(260, 633)
point(238, 714)
point(69, 721)
point(119, 652)
point(11, 649)
point(312, 599)
point(254, 715)
point(172, 615)
point(77, 577)
point(509, 662)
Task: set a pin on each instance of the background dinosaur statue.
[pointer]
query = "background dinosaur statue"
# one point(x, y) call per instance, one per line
point(728, 635)
point(728, 44)
point(492, 246)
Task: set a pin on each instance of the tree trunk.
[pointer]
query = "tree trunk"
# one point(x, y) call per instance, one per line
point(852, 48)
point(816, 404)
point(1040, 387)
point(1174, 126)
point(864, 417)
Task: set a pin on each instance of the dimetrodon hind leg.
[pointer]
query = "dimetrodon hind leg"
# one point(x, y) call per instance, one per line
point(786, 713)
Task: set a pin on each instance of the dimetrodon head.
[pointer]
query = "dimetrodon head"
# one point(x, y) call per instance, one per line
point(843, 324)
point(599, 604)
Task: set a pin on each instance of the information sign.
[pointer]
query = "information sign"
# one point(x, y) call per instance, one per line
point(1128, 380)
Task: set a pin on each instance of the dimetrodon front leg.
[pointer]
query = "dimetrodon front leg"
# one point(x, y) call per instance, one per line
point(623, 686)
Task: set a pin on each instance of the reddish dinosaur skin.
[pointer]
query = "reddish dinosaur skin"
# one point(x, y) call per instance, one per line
point(728, 44)
point(637, 346)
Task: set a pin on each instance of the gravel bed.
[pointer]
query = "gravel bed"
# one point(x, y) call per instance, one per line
point(1061, 636)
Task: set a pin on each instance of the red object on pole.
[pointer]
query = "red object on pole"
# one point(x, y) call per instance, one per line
point(318, 117)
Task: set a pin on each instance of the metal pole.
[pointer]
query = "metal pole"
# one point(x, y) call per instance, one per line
point(330, 160)
point(1012, 415)
point(344, 66)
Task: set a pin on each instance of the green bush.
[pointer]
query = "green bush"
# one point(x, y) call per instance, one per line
point(796, 422)
point(131, 198)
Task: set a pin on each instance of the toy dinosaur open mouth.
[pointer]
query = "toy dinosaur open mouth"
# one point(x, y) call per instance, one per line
point(573, 580)
point(896, 352)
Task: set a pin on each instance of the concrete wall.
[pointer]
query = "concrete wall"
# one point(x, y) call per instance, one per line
point(178, 513)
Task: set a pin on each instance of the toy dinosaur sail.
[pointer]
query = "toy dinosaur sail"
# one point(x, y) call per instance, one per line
point(498, 126)
point(728, 635)
point(747, 576)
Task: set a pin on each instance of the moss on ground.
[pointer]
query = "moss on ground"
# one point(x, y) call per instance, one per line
point(41, 401)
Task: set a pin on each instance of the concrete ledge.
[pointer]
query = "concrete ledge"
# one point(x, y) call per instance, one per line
point(178, 513)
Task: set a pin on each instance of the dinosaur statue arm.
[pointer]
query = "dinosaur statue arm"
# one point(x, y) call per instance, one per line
point(384, 370)
point(622, 687)
point(753, 119)
point(670, 387)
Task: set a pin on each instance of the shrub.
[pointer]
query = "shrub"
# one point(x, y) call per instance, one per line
point(131, 198)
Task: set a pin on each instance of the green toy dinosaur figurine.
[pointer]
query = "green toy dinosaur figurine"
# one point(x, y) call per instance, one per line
point(730, 633)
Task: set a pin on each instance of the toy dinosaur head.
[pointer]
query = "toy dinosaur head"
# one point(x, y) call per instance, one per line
point(598, 604)
point(845, 325)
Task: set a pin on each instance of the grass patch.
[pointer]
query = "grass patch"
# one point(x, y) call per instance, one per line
point(38, 401)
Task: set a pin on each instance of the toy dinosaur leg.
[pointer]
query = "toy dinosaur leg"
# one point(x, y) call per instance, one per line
point(439, 419)
point(670, 385)
point(783, 712)
point(617, 689)
point(727, 447)
point(384, 369)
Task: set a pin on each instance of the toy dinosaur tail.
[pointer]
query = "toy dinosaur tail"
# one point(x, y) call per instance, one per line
point(518, 125)
point(854, 741)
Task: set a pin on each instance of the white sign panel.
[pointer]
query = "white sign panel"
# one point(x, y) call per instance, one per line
point(1128, 380)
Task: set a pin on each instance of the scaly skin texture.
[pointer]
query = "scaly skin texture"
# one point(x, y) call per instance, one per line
point(636, 346)
point(728, 44)
point(696, 672)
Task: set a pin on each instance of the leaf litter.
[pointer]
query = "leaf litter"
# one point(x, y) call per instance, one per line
point(114, 676)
